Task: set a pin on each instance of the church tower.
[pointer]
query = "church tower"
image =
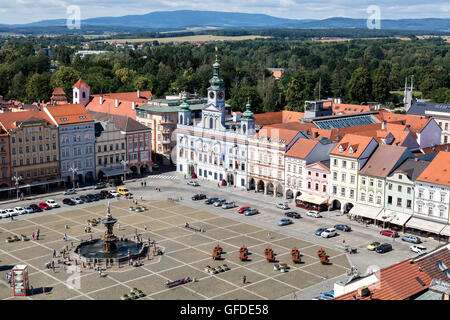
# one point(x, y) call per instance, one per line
point(248, 121)
point(214, 113)
point(81, 92)
point(185, 115)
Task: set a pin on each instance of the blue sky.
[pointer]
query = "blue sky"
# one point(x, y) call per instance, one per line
point(24, 11)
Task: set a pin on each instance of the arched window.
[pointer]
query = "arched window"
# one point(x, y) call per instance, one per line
point(244, 128)
point(181, 119)
point(84, 94)
point(211, 121)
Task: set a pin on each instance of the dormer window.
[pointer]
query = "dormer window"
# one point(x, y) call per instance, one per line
point(341, 149)
point(350, 150)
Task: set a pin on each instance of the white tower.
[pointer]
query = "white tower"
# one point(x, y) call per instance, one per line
point(81, 92)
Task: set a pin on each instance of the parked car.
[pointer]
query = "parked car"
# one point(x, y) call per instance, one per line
point(251, 212)
point(327, 295)
point(292, 214)
point(52, 203)
point(389, 233)
point(4, 214)
point(228, 205)
point(193, 183)
point(219, 202)
point(29, 209)
point(284, 222)
point(85, 198)
point(77, 200)
point(385, 247)
point(243, 209)
point(70, 191)
point(123, 191)
point(11, 212)
point(199, 196)
point(69, 202)
point(211, 200)
point(100, 185)
point(114, 193)
point(343, 227)
point(319, 231)
point(106, 194)
point(313, 214)
point(411, 239)
point(36, 207)
point(283, 206)
point(98, 196)
point(373, 245)
point(44, 206)
point(20, 210)
point(328, 233)
point(418, 248)
point(92, 197)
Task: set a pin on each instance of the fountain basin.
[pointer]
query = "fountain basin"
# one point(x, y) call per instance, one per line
point(123, 249)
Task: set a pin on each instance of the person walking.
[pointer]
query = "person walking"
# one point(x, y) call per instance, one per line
point(244, 279)
point(65, 237)
point(53, 265)
point(145, 227)
point(145, 183)
point(54, 253)
point(37, 234)
point(85, 229)
point(32, 235)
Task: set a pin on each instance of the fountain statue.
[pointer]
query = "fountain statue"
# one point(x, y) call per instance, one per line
point(109, 239)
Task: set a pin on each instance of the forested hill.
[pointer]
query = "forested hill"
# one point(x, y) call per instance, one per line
point(182, 19)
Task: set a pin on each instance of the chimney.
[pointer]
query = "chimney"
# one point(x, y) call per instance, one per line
point(139, 93)
point(363, 292)
point(116, 103)
point(101, 99)
point(133, 105)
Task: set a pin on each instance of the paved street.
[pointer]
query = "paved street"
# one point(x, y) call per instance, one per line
point(188, 252)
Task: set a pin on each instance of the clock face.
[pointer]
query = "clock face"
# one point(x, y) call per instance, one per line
point(211, 95)
point(220, 95)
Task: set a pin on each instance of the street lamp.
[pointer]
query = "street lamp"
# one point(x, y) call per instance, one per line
point(73, 175)
point(124, 162)
point(17, 179)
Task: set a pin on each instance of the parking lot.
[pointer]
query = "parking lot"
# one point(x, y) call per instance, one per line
point(188, 252)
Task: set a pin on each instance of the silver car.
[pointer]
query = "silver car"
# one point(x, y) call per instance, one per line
point(11, 212)
point(228, 205)
point(4, 214)
point(219, 202)
point(283, 206)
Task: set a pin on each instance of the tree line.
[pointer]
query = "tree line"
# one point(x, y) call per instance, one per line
point(358, 71)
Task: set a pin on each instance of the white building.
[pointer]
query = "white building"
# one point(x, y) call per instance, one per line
point(215, 146)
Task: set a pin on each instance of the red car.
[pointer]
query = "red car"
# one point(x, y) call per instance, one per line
point(243, 209)
point(389, 233)
point(44, 206)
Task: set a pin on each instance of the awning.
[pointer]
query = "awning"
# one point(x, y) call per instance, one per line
point(312, 199)
point(398, 218)
point(425, 225)
point(446, 231)
point(365, 211)
point(114, 171)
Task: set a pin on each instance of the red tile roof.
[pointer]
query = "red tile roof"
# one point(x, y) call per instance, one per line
point(438, 171)
point(80, 84)
point(356, 142)
point(277, 134)
point(58, 91)
point(69, 113)
point(397, 282)
point(277, 117)
point(349, 108)
point(301, 148)
point(8, 119)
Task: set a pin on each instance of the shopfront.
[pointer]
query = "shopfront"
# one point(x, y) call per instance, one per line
point(312, 202)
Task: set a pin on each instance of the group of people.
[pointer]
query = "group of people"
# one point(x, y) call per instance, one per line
point(87, 229)
point(35, 235)
point(143, 183)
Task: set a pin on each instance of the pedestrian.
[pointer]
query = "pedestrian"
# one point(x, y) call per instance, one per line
point(142, 183)
point(141, 198)
point(244, 279)
point(85, 229)
point(145, 227)
point(99, 272)
point(54, 253)
point(145, 183)
point(12, 218)
point(65, 237)
point(149, 240)
point(32, 235)
point(37, 235)
point(268, 235)
point(343, 241)
point(53, 265)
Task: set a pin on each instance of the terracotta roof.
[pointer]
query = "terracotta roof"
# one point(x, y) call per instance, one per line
point(277, 117)
point(80, 84)
point(69, 113)
point(122, 123)
point(125, 107)
point(8, 119)
point(428, 262)
point(399, 136)
point(349, 108)
point(383, 160)
point(438, 171)
point(277, 133)
point(352, 140)
point(416, 123)
point(442, 147)
point(58, 91)
point(397, 282)
point(301, 148)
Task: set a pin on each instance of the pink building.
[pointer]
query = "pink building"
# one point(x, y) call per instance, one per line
point(317, 178)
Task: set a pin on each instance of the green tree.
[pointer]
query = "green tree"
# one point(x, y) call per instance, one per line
point(16, 91)
point(240, 96)
point(65, 77)
point(37, 88)
point(295, 95)
point(380, 86)
point(360, 86)
point(63, 56)
point(124, 75)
